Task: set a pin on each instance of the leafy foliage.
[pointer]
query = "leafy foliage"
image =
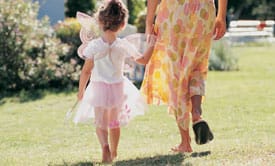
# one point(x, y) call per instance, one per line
point(140, 23)
point(135, 8)
point(252, 9)
point(80, 5)
point(68, 32)
point(29, 52)
point(222, 58)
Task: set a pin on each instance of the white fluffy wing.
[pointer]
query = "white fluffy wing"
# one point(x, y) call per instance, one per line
point(141, 41)
point(89, 30)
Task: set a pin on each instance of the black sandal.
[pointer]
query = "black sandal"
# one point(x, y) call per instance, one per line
point(202, 132)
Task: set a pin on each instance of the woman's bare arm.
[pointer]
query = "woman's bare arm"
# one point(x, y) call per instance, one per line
point(151, 11)
point(220, 25)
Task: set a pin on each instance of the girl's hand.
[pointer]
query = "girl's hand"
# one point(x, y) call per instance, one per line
point(219, 29)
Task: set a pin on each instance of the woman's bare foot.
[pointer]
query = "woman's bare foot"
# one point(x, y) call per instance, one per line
point(184, 147)
point(106, 154)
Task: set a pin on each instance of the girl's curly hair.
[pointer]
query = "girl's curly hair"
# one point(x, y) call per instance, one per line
point(112, 15)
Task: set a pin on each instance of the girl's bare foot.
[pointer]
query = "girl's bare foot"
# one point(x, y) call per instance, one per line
point(113, 155)
point(106, 154)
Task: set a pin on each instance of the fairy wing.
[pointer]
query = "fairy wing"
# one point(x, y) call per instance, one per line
point(89, 30)
point(141, 41)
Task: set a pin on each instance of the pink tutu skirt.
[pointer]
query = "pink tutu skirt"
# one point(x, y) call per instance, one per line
point(110, 105)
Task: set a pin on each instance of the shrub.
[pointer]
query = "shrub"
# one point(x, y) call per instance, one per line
point(140, 23)
point(29, 52)
point(222, 58)
point(68, 32)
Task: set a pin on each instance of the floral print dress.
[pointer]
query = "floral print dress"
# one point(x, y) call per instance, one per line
point(179, 64)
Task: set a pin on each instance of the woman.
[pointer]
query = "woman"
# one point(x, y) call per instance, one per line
point(177, 70)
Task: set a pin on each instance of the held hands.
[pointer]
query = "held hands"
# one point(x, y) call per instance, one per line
point(219, 29)
point(151, 35)
point(79, 96)
point(150, 44)
point(150, 29)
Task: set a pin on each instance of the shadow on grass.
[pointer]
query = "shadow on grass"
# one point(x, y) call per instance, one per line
point(29, 95)
point(160, 160)
point(22, 96)
point(175, 159)
point(78, 164)
point(200, 154)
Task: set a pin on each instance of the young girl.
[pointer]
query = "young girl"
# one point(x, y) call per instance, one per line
point(110, 98)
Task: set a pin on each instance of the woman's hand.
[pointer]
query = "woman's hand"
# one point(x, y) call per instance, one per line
point(151, 34)
point(220, 28)
point(220, 23)
point(79, 96)
point(149, 29)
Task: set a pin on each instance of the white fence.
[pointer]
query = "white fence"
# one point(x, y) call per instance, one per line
point(250, 30)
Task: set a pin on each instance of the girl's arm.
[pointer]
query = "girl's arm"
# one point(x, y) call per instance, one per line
point(220, 24)
point(84, 77)
point(151, 11)
point(146, 56)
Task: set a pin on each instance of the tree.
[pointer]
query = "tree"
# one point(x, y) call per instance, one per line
point(135, 7)
point(265, 10)
point(86, 6)
point(252, 9)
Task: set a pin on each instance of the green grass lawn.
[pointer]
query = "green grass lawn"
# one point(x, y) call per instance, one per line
point(239, 106)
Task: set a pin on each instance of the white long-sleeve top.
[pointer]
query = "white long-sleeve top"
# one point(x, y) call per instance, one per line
point(109, 59)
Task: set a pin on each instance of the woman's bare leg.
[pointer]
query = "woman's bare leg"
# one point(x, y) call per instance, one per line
point(196, 107)
point(185, 145)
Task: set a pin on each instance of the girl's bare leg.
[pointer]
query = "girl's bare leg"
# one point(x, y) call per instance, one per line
point(114, 131)
point(114, 140)
point(102, 135)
